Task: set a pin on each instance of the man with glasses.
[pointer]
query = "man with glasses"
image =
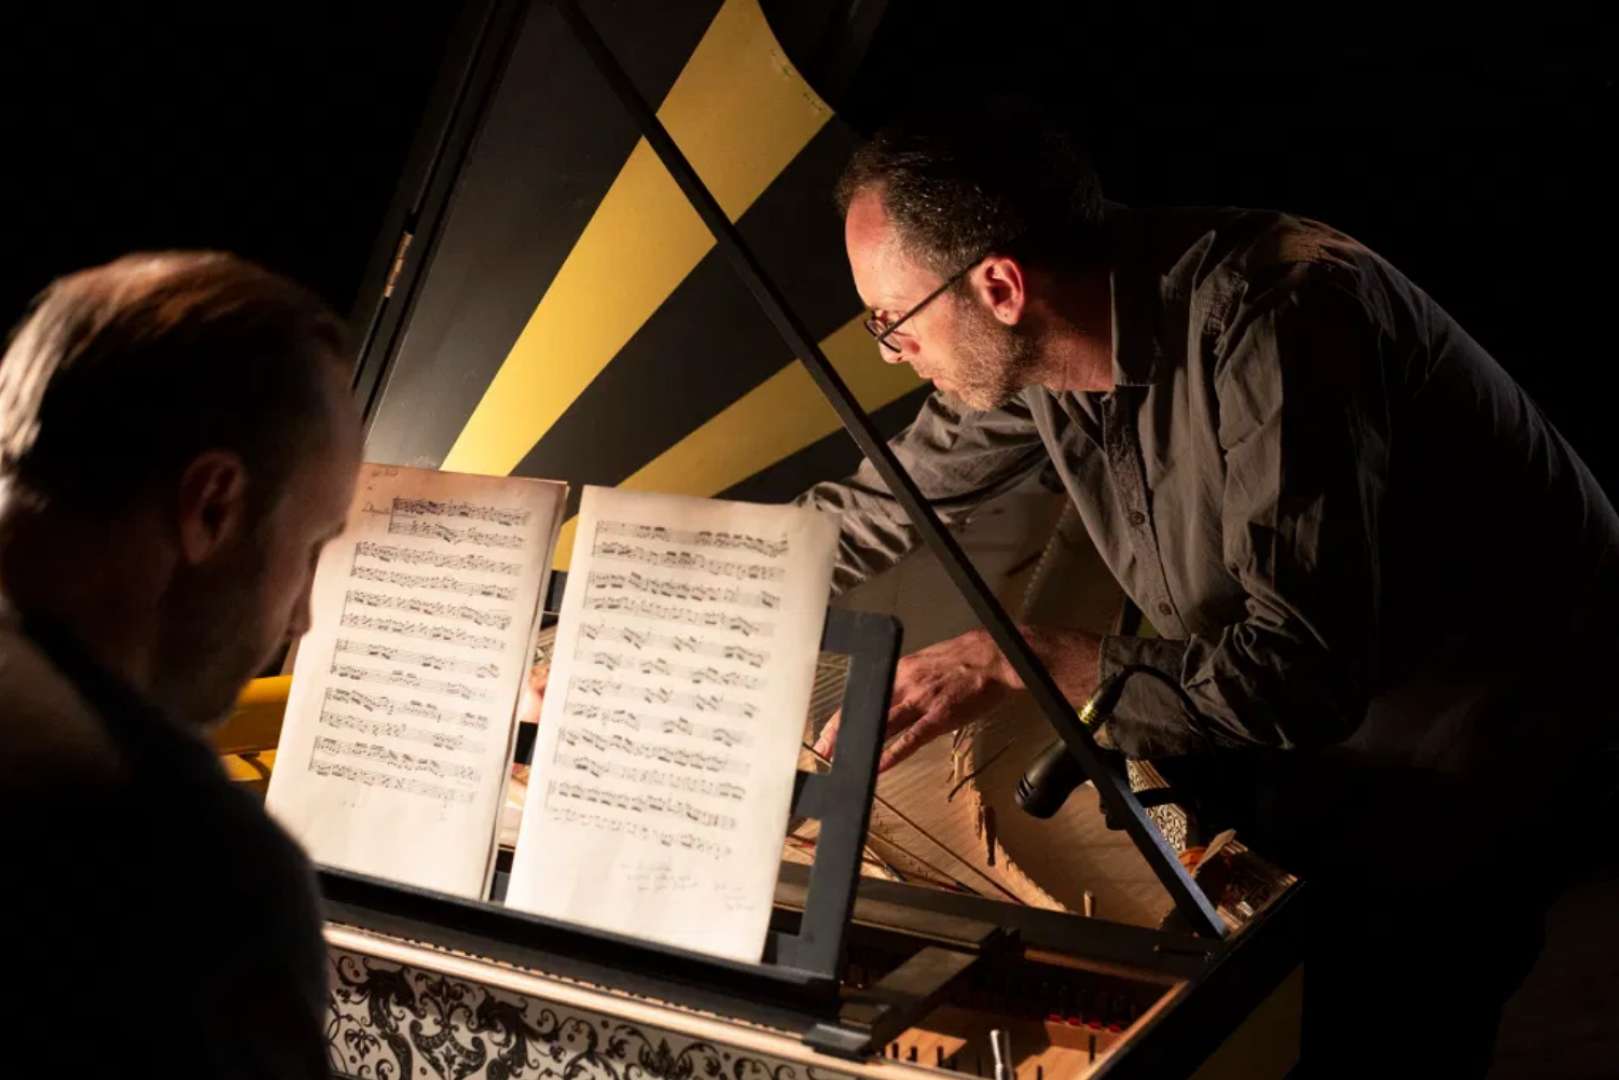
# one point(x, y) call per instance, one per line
point(1382, 583)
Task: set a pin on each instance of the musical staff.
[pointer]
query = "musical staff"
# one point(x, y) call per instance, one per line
point(651, 609)
point(661, 666)
point(638, 830)
point(439, 584)
point(420, 659)
point(450, 535)
point(680, 643)
point(396, 677)
point(733, 595)
point(395, 759)
point(651, 777)
point(674, 725)
point(674, 559)
point(498, 620)
point(643, 803)
point(457, 509)
point(410, 785)
point(421, 631)
point(390, 553)
point(382, 703)
point(394, 729)
point(729, 541)
point(663, 695)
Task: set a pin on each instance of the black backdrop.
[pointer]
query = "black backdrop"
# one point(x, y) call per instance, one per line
point(1472, 149)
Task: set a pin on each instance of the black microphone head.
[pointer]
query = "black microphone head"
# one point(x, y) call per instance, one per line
point(1048, 781)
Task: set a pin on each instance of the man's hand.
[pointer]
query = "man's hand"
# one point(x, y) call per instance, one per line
point(936, 690)
point(953, 683)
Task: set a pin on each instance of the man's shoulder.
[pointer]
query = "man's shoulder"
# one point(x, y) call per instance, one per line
point(48, 730)
point(1200, 243)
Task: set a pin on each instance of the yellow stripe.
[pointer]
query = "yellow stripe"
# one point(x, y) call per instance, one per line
point(779, 417)
point(740, 113)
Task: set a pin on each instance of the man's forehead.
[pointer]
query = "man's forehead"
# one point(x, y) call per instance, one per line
point(883, 270)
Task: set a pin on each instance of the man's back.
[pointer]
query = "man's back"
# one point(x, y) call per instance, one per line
point(155, 915)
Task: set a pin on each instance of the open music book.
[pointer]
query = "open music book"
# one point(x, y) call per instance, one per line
point(668, 743)
point(669, 738)
point(399, 727)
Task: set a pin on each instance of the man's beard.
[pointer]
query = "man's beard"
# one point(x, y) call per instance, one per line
point(212, 638)
point(993, 361)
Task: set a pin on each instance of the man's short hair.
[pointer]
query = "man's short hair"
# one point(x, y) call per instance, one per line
point(1002, 177)
point(122, 374)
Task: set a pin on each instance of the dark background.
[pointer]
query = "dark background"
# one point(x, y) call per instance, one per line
point(1472, 150)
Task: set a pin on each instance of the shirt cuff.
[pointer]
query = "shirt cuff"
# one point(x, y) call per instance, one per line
point(1150, 720)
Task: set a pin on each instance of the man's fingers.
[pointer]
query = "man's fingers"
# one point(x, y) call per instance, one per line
point(900, 716)
point(827, 743)
point(928, 727)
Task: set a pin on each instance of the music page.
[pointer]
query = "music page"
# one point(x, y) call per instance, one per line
point(668, 742)
point(399, 726)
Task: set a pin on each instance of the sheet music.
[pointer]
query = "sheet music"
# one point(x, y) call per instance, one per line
point(663, 769)
point(399, 726)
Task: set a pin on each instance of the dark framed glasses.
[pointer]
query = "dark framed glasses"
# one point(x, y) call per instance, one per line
point(881, 331)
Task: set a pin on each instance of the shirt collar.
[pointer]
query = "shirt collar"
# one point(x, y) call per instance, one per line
point(1139, 357)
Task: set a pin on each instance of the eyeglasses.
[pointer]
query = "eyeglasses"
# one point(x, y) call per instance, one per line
point(882, 331)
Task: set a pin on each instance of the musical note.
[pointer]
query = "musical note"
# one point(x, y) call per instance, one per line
point(421, 631)
point(457, 509)
point(410, 785)
point(611, 661)
point(440, 740)
point(681, 590)
point(450, 535)
point(396, 677)
point(642, 803)
point(498, 620)
point(655, 695)
point(699, 538)
point(696, 785)
point(639, 830)
point(390, 553)
point(674, 559)
point(651, 609)
point(440, 584)
point(420, 659)
point(668, 725)
point(394, 759)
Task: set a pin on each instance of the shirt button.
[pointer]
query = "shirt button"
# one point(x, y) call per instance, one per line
point(1137, 518)
point(1164, 608)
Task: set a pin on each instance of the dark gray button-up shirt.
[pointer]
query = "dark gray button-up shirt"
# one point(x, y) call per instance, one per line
point(1348, 524)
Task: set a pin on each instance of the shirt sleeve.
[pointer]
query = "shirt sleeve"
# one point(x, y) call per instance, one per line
point(1304, 429)
point(960, 458)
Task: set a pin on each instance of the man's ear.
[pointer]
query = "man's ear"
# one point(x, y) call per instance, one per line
point(1002, 286)
point(212, 509)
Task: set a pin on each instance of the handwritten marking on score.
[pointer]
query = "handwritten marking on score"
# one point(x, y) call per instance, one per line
point(681, 643)
point(422, 631)
point(411, 785)
point(644, 803)
point(395, 759)
point(396, 677)
point(420, 659)
point(390, 553)
point(702, 538)
point(679, 725)
point(394, 729)
point(638, 830)
point(681, 590)
point(382, 703)
point(651, 609)
point(498, 620)
point(663, 695)
point(440, 584)
point(450, 535)
point(674, 559)
point(658, 665)
point(457, 509)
